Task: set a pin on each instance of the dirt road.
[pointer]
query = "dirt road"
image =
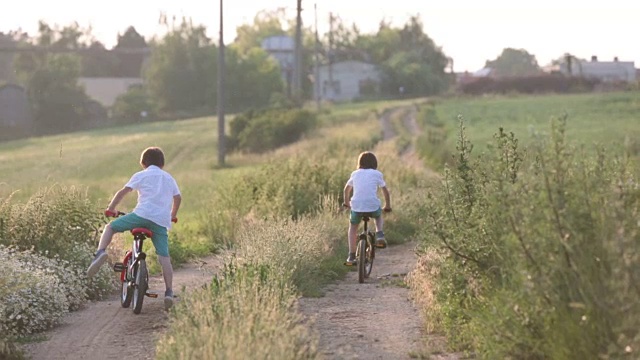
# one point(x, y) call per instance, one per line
point(374, 320)
point(105, 330)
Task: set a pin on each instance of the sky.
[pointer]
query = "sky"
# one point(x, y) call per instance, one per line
point(469, 31)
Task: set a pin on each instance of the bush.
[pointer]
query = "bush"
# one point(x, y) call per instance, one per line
point(541, 250)
point(59, 224)
point(134, 106)
point(258, 131)
point(32, 297)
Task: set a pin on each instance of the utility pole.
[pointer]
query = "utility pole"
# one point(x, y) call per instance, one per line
point(316, 62)
point(298, 55)
point(330, 56)
point(221, 70)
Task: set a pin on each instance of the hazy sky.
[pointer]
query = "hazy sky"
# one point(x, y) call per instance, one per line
point(469, 31)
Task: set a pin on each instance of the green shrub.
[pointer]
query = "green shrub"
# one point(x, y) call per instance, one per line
point(258, 131)
point(62, 224)
point(542, 250)
point(134, 106)
point(54, 220)
point(32, 297)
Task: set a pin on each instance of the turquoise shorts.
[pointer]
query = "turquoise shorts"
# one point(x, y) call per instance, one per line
point(356, 217)
point(131, 221)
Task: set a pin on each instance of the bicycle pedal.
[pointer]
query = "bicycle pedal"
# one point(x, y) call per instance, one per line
point(118, 267)
point(152, 295)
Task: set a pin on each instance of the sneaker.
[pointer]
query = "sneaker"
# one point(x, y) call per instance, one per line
point(351, 260)
point(168, 299)
point(98, 261)
point(380, 240)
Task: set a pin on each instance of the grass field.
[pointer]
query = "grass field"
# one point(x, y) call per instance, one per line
point(610, 119)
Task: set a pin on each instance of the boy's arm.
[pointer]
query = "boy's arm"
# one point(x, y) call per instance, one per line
point(387, 199)
point(177, 199)
point(347, 195)
point(117, 198)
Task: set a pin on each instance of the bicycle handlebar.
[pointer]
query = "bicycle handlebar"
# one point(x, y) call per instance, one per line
point(108, 213)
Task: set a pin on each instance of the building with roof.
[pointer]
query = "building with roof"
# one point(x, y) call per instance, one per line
point(606, 71)
point(347, 80)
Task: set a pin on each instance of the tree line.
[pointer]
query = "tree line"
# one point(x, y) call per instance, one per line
point(180, 72)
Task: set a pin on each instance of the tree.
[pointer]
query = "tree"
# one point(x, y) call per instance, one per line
point(54, 94)
point(51, 79)
point(253, 78)
point(408, 58)
point(265, 24)
point(181, 74)
point(514, 62)
point(130, 64)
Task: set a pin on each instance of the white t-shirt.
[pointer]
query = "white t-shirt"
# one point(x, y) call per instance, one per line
point(365, 184)
point(156, 189)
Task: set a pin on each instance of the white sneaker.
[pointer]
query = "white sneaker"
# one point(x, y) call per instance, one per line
point(168, 299)
point(98, 261)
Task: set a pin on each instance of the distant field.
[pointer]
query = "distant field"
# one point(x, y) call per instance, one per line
point(611, 119)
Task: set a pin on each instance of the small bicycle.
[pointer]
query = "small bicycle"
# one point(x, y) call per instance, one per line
point(134, 275)
point(365, 249)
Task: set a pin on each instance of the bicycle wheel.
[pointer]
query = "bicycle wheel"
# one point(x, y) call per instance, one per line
point(127, 291)
point(361, 258)
point(140, 286)
point(370, 253)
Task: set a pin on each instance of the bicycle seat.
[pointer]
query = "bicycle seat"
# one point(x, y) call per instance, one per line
point(148, 233)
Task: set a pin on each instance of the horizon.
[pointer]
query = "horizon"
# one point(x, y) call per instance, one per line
point(468, 32)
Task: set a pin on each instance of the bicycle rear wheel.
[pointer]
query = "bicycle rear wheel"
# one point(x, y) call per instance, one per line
point(126, 290)
point(361, 258)
point(140, 286)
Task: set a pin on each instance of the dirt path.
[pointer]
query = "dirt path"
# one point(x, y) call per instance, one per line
point(105, 330)
point(374, 320)
point(377, 319)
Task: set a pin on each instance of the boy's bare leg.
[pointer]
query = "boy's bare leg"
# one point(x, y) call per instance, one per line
point(379, 223)
point(105, 239)
point(353, 233)
point(167, 271)
point(167, 274)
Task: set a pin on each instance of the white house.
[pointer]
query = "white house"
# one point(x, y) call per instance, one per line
point(346, 81)
point(607, 71)
point(106, 90)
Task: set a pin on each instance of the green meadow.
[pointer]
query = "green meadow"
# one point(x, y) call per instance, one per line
point(608, 119)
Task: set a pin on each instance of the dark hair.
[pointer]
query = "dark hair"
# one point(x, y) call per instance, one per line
point(152, 156)
point(367, 160)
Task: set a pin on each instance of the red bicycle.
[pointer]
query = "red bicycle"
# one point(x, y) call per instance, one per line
point(134, 275)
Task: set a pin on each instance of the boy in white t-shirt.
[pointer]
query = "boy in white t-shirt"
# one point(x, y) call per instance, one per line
point(364, 182)
point(158, 203)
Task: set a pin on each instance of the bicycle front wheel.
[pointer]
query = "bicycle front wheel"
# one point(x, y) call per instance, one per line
point(361, 255)
point(370, 253)
point(140, 287)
